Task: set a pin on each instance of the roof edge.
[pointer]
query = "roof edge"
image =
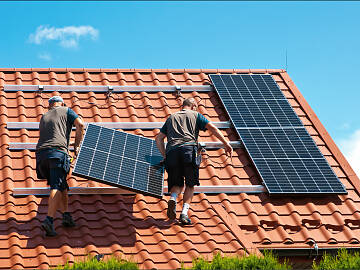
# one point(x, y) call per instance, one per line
point(338, 155)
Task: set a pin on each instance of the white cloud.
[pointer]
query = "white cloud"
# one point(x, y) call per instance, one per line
point(68, 36)
point(45, 56)
point(350, 147)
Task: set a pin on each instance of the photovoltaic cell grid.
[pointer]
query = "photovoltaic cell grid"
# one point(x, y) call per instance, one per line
point(255, 101)
point(282, 150)
point(289, 161)
point(120, 159)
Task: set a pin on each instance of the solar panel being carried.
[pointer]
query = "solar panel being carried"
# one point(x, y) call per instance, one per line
point(120, 159)
point(282, 150)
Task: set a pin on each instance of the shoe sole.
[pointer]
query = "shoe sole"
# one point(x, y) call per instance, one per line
point(185, 222)
point(47, 231)
point(68, 225)
point(171, 213)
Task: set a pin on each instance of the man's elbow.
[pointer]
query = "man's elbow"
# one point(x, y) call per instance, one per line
point(79, 124)
point(211, 127)
point(160, 137)
point(157, 138)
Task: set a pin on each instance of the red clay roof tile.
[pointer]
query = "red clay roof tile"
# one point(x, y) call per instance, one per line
point(137, 225)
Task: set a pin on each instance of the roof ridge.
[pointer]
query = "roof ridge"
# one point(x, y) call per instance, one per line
point(167, 70)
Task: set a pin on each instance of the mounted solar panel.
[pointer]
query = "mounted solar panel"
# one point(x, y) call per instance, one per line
point(283, 152)
point(254, 101)
point(120, 159)
point(289, 161)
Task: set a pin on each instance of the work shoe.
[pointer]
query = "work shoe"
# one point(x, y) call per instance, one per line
point(68, 220)
point(185, 220)
point(171, 211)
point(48, 228)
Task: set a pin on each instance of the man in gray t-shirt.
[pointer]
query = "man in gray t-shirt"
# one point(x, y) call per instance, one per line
point(181, 154)
point(52, 158)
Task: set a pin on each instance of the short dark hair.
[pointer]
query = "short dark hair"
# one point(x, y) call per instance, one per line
point(189, 102)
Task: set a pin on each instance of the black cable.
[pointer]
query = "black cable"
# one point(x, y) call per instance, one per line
point(208, 158)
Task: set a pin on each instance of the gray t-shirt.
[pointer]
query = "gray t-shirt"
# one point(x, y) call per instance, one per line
point(183, 128)
point(55, 128)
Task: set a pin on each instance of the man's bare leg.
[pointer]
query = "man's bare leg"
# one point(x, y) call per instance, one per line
point(171, 211)
point(176, 189)
point(188, 195)
point(67, 218)
point(64, 201)
point(54, 202)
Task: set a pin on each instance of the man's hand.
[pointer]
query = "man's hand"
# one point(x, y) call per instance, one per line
point(161, 144)
point(215, 131)
point(162, 162)
point(76, 151)
point(228, 150)
point(79, 124)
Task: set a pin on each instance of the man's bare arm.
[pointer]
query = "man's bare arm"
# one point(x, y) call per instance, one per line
point(160, 143)
point(214, 130)
point(79, 133)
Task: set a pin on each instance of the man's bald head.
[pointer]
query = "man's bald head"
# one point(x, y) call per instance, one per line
point(190, 103)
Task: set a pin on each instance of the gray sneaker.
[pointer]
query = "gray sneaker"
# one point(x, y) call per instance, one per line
point(48, 228)
point(171, 211)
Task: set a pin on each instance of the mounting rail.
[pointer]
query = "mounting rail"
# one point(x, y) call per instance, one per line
point(16, 146)
point(44, 191)
point(107, 88)
point(116, 125)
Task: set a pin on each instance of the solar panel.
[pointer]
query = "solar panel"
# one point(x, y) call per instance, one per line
point(280, 143)
point(254, 101)
point(289, 161)
point(120, 159)
point(285, 155)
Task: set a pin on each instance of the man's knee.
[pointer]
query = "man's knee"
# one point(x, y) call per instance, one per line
point(176, 189)
point(54, 190)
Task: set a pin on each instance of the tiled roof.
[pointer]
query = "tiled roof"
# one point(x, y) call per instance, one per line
point(136, 225)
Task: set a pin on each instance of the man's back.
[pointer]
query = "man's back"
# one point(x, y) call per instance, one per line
point(183, 128)
point(55, 127)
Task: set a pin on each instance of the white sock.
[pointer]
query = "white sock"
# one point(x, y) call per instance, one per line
point(173, 196)
point(185, 208)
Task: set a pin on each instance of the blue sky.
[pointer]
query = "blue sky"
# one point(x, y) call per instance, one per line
point(321, 39)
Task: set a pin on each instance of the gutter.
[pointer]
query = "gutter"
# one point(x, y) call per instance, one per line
point(311, 252)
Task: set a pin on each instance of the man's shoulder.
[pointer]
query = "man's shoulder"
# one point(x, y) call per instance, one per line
point(59, 109)
point(175, 114)
point(65, 109)
point(54, 111)
point(187, 112)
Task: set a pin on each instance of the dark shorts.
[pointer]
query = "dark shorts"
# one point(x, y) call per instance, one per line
point(183, 162)
point(54, 166)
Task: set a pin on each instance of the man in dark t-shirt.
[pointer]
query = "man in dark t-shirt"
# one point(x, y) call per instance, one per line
point(182, 159)
point(52, 158)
